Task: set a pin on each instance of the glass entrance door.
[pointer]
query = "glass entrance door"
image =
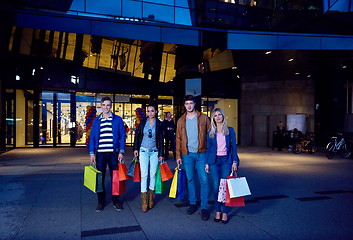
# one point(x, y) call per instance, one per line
point(55, 119)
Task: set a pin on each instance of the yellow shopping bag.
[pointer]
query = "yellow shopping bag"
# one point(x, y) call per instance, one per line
point(174, 187)
point(92, 179)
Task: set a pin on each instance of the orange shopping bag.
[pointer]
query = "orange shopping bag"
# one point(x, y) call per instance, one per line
point(123, 172)
point(166, 173)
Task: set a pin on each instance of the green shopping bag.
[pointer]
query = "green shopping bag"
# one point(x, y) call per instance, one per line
point(160, 185)
point(92, 179)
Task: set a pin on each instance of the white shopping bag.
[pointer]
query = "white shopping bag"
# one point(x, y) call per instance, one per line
point(238, 187)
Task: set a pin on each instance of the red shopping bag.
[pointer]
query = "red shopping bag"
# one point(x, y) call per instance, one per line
point(166, 173)
point(118, 187)
point(233, 202)
point(137, 172)
point(123, 172)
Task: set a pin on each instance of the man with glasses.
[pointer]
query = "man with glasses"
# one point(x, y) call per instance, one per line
point(106, 147)
point(191, 134)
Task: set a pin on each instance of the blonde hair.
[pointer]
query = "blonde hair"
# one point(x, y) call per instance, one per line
point(224, 127)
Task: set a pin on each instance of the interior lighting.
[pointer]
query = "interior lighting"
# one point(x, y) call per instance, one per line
point(234, 67)
point(238, 76)
point(33, 72)
point(344, 66)
point(290, 60)
point(18, 78)
point(268, 52)
point(309, 76)
point(297, 73)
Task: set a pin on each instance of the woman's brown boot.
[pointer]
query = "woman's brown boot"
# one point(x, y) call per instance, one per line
point(150, 198)
point(144, 202)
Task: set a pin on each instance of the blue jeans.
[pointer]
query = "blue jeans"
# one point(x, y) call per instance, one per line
point(198, 160)
point(102, 160)
point(148, 163)
point(221, 169)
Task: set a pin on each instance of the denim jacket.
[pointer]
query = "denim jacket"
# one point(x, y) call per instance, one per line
point(232, 152)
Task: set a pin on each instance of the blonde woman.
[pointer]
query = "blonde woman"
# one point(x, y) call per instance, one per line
point(222, 157)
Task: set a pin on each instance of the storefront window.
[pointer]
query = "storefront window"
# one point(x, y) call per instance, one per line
point(20, 118)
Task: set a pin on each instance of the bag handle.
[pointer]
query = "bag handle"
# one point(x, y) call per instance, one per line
point(93, 164)
point(234, 174)
point(177, 167)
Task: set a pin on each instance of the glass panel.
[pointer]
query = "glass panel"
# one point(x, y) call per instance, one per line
point(132, 8)
point(85, 104)
point(106, 53)
point(92, 58)
point(10, 118)
point(167, 67)
point(64, 118)
point(109, 7)
point(183, 16)
point(20, 118)
point(135, 119)
point(69, 45)
point(158, 12)
point(29, 121)
point(26, 41)
point(135, 67)
point(78, 5)
point(46, 120)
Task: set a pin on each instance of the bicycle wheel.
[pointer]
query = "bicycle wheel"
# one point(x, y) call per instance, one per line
point(297, 148)
point(329, 150)
point(344, 151)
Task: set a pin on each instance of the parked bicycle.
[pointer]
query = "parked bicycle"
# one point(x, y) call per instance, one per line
point(338, 144)
point(306, 144)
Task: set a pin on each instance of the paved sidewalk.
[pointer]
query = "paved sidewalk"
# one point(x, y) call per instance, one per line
point(294, 196)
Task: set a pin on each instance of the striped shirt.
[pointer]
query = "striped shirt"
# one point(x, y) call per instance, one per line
point(106, 135)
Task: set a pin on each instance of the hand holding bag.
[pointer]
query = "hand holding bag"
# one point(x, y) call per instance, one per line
point(118, 186)
point(123, 172)
point(166, 173)
point(92, 179)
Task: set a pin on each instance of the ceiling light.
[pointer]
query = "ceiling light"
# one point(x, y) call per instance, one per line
point(268, 52)
point(297, 73)
point(344, 66)
point(309, 76)
point(290, 60)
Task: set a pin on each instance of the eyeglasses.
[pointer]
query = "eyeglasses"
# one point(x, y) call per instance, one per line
point(150, 133)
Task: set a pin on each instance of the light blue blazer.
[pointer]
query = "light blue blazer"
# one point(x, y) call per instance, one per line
point(232, 151)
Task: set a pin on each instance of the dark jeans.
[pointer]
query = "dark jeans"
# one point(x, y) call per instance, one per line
point(102, 160)
point(221, 169)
